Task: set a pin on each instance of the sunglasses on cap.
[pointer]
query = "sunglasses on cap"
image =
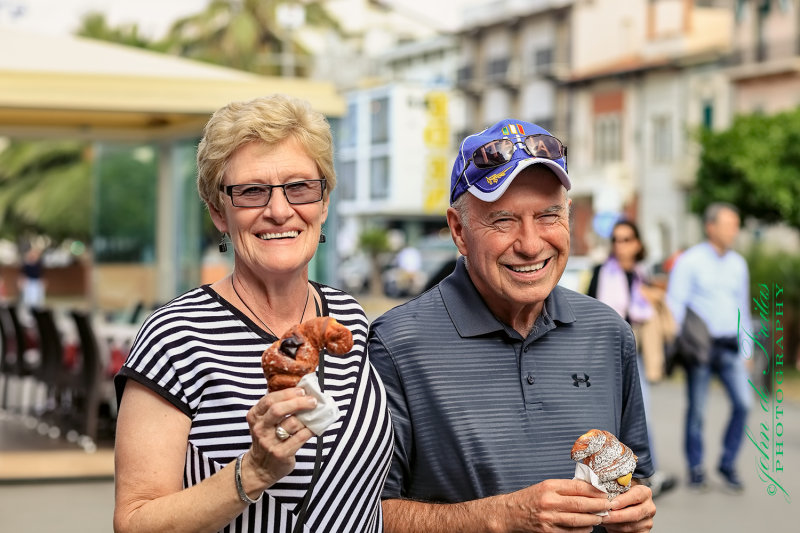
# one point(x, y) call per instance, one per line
point(499, 152)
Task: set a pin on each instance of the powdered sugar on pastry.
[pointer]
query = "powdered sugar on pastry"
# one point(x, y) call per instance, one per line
point(611, 460)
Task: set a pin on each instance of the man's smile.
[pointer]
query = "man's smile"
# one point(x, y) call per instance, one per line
point(529, 268)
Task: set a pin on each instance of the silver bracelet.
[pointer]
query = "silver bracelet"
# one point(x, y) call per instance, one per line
point(239, 488)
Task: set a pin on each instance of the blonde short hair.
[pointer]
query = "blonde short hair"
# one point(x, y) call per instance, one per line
point(269, 119)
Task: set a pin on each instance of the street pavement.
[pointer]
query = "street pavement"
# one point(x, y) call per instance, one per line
point(718, 510)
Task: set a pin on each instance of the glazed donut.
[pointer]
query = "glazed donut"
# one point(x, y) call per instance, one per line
point(297, 352)
point(611, 460)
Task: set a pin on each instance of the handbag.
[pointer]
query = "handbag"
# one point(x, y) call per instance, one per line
point(692, 346)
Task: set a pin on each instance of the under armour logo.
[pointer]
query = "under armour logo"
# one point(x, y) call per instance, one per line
point(577, 381)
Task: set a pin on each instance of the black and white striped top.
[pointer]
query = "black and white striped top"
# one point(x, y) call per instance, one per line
point(204, 356)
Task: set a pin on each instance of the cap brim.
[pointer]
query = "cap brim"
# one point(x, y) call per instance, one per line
point(494, 194)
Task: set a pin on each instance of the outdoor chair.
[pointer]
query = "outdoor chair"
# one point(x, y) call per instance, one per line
point(94, 414)
point(51, 372)
point(19, 369)
point(6, 365)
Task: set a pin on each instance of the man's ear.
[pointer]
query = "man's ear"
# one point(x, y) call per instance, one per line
point(569, 211)
point(456, 230)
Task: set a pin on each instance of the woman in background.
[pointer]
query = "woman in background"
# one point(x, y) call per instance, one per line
point(621, 283)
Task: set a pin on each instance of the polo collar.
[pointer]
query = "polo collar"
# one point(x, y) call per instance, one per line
point(472, 318)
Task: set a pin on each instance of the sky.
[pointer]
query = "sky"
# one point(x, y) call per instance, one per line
point(59, 17)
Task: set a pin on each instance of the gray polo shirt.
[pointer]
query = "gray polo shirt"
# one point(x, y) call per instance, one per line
point(478, 410)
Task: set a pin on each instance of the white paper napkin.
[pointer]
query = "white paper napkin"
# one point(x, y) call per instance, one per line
point(584, 473)
point(325, 413)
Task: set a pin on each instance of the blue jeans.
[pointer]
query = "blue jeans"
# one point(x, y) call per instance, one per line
point(729, 366)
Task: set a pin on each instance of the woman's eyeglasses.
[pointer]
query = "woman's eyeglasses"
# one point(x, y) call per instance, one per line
point(499, 152)
point(259, 194)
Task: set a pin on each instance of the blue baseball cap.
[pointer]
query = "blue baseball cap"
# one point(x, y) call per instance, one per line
point(489, 184)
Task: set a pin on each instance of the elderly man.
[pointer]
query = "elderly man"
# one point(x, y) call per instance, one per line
point(493, 374)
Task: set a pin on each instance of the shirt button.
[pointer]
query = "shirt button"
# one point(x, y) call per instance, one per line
point(530, 379)
point(525, 349)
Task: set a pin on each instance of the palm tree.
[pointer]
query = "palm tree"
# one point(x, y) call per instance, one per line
point(45, 189)
point(241, 34)
point(245, 34)
point(95, 26)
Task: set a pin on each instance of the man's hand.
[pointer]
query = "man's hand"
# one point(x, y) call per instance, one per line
point(555, 505)
point(632, 512)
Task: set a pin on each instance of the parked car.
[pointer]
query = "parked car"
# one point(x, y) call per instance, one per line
point(434, 251)
point(353, 273)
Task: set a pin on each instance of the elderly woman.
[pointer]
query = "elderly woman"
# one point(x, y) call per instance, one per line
point(201, 444)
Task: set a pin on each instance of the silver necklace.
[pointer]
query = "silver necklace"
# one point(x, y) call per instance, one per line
point(305, 307)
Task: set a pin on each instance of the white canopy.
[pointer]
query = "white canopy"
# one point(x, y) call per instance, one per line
point(57, 85)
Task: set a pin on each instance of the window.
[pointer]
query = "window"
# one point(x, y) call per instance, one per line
point(607, 138)
point(464, 74)
point(542, 59)
point(379, 178)
point(496, 69)
point(379, 120)
point(662, 139)
point(347, 131)
point(346, 180)
point(708, 114)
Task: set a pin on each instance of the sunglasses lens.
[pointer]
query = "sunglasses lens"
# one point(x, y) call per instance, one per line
point(493, 153)
point(544, 146)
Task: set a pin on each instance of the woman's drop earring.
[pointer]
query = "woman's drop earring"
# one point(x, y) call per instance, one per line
point(223, 245)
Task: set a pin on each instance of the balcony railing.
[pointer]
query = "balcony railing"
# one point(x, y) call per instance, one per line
point(765, 51)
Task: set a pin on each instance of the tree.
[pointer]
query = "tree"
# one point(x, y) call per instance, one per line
point(45, 189)
point(755, 165)
point(375, 242)
point(244, 34)
point(94, 26)
point(241, 34)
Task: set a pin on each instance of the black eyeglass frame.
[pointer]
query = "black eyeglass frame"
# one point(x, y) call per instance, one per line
point(514, 144)
point(228, 190)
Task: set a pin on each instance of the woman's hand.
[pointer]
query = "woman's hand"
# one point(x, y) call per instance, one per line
point(653, 294)
point(271, 458)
